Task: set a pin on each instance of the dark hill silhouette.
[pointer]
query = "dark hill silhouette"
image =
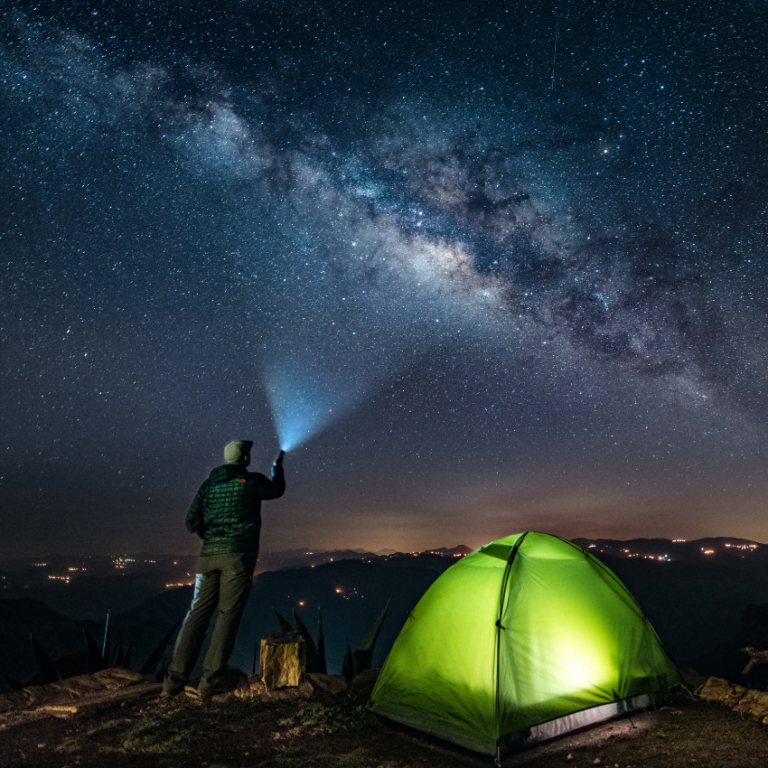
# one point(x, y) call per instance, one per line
point(25, 616)
point(29, 613)
point(299, 558)
point(94, 595)
point(693, 606)
point(351, 593)
point(705, 550)
point(696, 606)
point(728, 661)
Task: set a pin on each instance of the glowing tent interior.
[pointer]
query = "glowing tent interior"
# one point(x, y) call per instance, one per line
point(527, 638)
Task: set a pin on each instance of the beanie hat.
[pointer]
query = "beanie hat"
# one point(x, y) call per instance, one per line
point(237, 450)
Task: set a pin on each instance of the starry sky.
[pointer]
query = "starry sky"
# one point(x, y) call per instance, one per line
point(485, 267)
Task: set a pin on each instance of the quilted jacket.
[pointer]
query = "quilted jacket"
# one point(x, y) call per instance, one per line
point(226, 512)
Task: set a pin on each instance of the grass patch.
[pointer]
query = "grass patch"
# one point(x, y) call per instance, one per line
point(111, 731)
point(168, 733)
point(314, 719)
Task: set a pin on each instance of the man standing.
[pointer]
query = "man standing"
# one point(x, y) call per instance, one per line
point(226, 514)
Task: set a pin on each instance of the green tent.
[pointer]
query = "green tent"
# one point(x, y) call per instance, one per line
point(525, 639)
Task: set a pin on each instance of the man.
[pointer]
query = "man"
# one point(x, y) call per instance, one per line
point(226, 514)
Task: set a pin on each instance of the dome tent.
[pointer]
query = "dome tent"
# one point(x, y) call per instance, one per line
point(525, 639)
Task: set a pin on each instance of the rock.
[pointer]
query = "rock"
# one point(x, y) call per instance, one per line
point(81, 685)
point(242, 687)
point(753, 703)
point(257, 686)
point(56, 698)
point(117, 677)
point(282, 661)
point(301, 691)
point(305, 689)
point(332, 684)
point(10, 701)
point(84, 685)
point(361, 686)
point(721, 691)
point(13, 700)
point(60, 710)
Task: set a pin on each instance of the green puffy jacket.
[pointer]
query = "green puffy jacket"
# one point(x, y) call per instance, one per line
point(226, 512)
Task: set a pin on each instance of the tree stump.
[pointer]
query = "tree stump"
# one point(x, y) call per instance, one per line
point(282, 661)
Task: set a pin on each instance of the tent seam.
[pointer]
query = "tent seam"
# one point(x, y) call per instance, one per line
point(499, 627)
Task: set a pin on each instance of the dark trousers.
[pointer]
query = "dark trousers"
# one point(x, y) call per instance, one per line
point(222, 581)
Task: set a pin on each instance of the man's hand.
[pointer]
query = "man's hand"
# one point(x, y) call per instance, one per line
point(279, 459)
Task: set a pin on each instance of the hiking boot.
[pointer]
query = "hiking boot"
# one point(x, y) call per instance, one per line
point(202, 699)
point(224, 684)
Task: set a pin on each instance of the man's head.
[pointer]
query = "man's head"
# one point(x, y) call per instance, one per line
point(238, 452)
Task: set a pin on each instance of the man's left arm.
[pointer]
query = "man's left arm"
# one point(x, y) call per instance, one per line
point(273, 488)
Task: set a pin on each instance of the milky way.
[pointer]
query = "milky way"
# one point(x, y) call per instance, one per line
point(505, 300)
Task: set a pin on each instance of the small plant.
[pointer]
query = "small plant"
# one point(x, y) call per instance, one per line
point(315, 651)
point(361, 659)
point(150, 665)
point(46, 669)
point(94, 660)
point(96, 657)
point(354, 661)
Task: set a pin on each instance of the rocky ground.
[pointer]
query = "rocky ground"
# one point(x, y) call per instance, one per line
point(120, 721)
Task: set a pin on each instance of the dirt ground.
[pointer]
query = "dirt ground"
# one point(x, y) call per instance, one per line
point(329, 734)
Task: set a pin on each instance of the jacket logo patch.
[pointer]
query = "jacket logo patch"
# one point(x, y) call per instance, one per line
point(242, 480)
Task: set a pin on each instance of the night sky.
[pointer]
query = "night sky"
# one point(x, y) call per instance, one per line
point(499, 266)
